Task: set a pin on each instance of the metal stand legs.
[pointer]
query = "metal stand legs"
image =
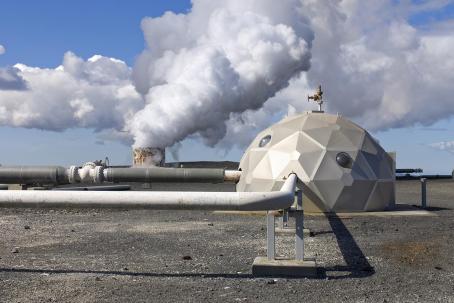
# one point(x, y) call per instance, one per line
point(299, 225)
point(298, 213)
point(270, 236)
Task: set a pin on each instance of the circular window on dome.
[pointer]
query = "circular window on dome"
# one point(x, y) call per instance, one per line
point(265, 140)
point(344, 160)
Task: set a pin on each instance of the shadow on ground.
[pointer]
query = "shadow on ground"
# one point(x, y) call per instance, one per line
point(357, 264)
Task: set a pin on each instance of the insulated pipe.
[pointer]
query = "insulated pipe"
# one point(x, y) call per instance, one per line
point(161, 174)
point(33, 174)
point(98, 174)
point(246, 201)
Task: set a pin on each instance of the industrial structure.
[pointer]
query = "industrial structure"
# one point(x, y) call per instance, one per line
point(339, 164)
point(310, 161)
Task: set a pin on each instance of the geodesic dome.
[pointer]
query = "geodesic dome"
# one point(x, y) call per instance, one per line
point(342, 168)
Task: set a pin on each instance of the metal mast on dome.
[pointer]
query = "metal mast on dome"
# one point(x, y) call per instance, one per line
point(317, 97)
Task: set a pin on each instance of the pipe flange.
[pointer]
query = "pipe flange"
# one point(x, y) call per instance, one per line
point(98, 176)
point(89, 164)
point(73, 174)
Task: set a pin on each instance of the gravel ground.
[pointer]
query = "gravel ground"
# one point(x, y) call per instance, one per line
point(162, 256)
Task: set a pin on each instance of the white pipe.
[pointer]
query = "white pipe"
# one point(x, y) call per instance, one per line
point(232, 175)
point(248, 201)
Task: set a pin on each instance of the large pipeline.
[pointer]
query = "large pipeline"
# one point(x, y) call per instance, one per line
point(33, 175)
point(58, 175)
point(243, 201)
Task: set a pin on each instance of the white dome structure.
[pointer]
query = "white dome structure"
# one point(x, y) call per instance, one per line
point(340, 166)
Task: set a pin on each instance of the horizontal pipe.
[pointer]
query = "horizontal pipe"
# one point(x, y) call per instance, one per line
point(243, 201)
point(232, 176)
point(97, 174)
point(33, 175)
point(408, 170)
point(95, 188)
point(161, 174)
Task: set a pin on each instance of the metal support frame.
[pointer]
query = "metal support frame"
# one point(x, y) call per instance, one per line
point(423, 192)
point(270, 236)
point(299, 225)
point(284, 219)
point(298, 214)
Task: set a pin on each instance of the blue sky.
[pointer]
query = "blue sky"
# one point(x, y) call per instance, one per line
point(38, 33)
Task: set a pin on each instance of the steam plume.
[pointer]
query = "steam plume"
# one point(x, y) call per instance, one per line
point(223, 57)
point(376, 68)
point(227, 69)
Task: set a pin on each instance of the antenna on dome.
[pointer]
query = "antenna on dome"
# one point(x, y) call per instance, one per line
point(317, 97)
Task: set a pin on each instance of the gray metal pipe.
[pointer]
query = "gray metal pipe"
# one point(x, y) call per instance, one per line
point(95, 188)
point(60, 175)
point(161, 174)
point(244, 201)
point(33, 174)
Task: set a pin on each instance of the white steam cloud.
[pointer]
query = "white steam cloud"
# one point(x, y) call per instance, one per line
point(227, 69)
point(223, 57)
point(374, 66)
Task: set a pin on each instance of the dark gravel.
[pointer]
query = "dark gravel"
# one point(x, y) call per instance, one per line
point(162, 256)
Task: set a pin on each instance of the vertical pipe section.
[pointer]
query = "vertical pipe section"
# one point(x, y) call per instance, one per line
point(423, 192)
point(299, 222)
point(270, 236)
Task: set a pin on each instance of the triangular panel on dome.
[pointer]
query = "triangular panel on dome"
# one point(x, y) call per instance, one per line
point(308, 144)
point(320, 135)
point(381, 166)
point(255, 156)
point(314, 190)
point(281, 133)
point(340, 142)
point(387, 169)
point(354, 197)
point(316, 121)
point(310, 161)
point(328, 168)
point(380, 197)
point(263, 169)
point(330, 190)
point(361, 169)
point(369, 145)
point(347, 124)
point(278, 161)
point(356, 137)
point(287, 144)
point(347, 179)
point(294, 166)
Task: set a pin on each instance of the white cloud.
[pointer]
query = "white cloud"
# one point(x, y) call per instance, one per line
point(227, 69)
point(96, 93)
point(2, 49)
point(443, 145)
